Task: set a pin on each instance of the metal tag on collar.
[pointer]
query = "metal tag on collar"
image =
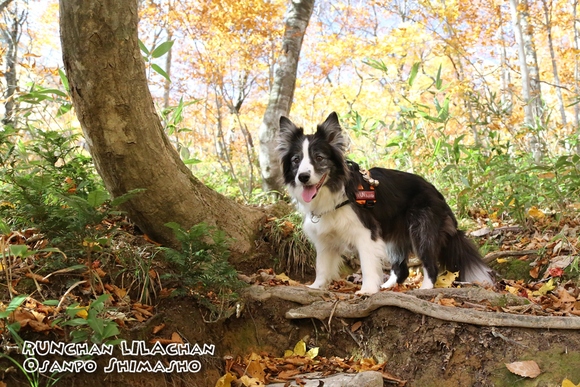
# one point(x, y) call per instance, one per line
point(315, 218)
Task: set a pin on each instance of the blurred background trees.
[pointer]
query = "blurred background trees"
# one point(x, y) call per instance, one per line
point(480, 97)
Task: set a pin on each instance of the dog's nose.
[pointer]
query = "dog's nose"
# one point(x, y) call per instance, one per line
point(304, 177)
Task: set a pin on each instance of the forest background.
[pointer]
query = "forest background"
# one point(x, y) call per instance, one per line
point(435, 88)
point(481, 98)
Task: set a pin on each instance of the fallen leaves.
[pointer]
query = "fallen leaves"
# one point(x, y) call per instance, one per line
point(526, 369)
point(258, 370)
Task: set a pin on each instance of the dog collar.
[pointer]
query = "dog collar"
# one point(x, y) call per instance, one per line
point(316, 218)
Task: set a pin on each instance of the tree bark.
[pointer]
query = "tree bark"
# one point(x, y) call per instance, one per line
point(548, 19)
point(282, 91)
point(126, 139)
point(528, 61)
point(11, 36)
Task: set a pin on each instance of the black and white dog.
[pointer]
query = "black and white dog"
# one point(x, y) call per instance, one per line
point(405, 214)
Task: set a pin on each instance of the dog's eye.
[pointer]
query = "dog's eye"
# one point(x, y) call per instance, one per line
point(319, 158)
point(295, 159)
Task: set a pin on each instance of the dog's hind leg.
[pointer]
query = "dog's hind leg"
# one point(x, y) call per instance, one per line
point(399, 270)
point(425, 238)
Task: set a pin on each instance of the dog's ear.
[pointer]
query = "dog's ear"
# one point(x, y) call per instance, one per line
point(332, 131)
point(288, 133)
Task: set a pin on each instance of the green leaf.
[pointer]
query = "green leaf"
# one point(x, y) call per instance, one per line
point(14, 304)
point(414, 71)
point(52, 302)
point(64, 80)
point(97, 198)
point(143, 48)
point(192, 161)
point(75, 322)
point(20, 251)
point(438, 81)
point(4, 228)
point(53, 91)
point(162, 49)
point(125, 197)
point(160, 71)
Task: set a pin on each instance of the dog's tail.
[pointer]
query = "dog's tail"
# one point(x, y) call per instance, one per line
point(461, 254)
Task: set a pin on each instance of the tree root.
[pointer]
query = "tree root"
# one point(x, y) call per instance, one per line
point(322, 305)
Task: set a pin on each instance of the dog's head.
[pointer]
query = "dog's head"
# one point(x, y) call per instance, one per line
point(311, 162)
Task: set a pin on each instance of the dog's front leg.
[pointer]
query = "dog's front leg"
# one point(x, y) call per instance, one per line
point(327, 266)
point(371, 254)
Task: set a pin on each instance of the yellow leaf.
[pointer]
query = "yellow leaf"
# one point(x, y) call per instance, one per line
point(445, 279)
point(512, 290)
point(300, 348)
point(535, 213)
point(288, 353)
point(568, 383)
point(226, 380)
point(250, 382)
point(547, 287)
point(312, 352)
point(501, 260)
point(285, 278)
point(83, 312)
point(256, 371)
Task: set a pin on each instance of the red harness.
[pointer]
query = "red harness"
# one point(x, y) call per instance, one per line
point(366, 197)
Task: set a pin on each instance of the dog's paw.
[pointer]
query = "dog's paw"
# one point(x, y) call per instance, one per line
point(390, 283)
point(367, 291)
point(316, 285)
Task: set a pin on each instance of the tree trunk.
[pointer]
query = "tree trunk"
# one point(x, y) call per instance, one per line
point(576, 26)
point(548, 19)
point(126, 139)
point(11, 36)
point(282, 91)
point(531, 93)
point(528, 62)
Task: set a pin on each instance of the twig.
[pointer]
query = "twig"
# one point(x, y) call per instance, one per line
point(500, 254)
point(67, 292)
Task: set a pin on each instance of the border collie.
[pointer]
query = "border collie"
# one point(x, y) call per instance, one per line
point(405, 213)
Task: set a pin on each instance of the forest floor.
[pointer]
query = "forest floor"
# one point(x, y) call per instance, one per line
point(457, 335)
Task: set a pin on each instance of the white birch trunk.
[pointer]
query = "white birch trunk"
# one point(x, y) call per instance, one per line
point(282, 90)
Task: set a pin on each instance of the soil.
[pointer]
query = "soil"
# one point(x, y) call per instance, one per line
point(421, 350)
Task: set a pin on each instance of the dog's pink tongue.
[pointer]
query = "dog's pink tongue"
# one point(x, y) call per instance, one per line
point(308, 193)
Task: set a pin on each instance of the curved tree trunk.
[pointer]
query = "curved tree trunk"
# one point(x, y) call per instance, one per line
point(109, 90)
point(282, 90)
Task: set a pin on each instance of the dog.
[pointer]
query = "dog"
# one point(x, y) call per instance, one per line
point(379, 214)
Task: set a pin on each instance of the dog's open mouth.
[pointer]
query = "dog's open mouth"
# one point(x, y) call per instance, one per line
point(309, 191)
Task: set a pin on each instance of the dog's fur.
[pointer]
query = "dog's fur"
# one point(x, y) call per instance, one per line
point(410, 215)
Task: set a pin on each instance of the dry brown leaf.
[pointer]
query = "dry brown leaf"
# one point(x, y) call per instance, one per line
point(288, 374)
point(157, 328)
point(527, 369)
point(356, 326)
point(447, 302)
point(176, 338)
point(161, 340)
point(143, 311)
point(535, 272)
point(37, 277)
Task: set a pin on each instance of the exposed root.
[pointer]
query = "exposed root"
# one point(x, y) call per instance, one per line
point(321, 305)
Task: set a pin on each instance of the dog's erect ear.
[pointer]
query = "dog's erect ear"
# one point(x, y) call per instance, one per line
point(332, 131)
point(288, 132)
